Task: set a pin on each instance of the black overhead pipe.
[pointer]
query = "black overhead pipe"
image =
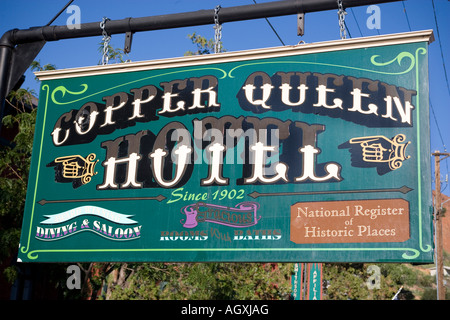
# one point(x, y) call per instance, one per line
point(17, 42)
point(178, 20)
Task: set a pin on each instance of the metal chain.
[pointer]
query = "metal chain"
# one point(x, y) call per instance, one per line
point(217, 30)
point(342, 13)
point(106, 39)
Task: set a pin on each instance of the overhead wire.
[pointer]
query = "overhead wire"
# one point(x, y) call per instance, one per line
point(273, 29)
point(431, 105)
point(348, 31)
point(446, 78)
point(440, 46)
point(443, 62)
point(357, 24)
point(406, 14)
point(59, 13)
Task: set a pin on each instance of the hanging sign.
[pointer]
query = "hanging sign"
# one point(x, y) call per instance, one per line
point(297, 282)
point(314, 153)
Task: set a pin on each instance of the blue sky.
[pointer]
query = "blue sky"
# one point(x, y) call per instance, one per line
point(396, 17)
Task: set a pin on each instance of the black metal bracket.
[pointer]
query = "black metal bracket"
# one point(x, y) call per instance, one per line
point(300, 24)
point(23, 56)
point(128, 39)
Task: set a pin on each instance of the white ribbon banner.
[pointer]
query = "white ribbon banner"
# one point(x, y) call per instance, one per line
point(89, 210)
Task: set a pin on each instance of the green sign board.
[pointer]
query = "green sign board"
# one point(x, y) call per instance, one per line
point(313, 153)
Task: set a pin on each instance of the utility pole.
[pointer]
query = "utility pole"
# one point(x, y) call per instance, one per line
point(439, 242)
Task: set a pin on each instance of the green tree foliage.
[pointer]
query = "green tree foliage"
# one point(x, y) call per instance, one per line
point(15, 159)
point(15, 163)
point(348, 281)
point(14, 168)
point(203, 45)
point(36, 66)
point(200, 281)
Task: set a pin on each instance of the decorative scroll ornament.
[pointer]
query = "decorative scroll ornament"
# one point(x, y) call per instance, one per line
point(380, 149)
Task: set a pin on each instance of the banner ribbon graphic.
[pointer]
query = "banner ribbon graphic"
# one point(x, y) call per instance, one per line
point(88, 210)
point(242, 215)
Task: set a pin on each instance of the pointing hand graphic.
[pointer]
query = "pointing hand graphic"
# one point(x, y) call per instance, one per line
point(77, 167)
point(383, 150)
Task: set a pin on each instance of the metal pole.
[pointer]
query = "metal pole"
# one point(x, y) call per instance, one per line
point(439, 241)
point(187, 19)
point(5, 62)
